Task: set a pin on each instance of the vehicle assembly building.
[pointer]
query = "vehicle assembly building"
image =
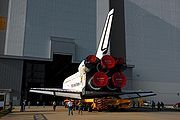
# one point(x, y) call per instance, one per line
point(43, 41)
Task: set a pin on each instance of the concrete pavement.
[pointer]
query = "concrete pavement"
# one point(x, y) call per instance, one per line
point(61, 114)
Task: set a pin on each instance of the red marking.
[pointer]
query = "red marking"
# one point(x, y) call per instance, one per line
point(91, 59)
point(100, 79)
point(119, 79)
point(108, 61)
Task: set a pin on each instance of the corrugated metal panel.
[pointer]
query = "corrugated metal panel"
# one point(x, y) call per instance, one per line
point(102, 9)
point(152, 45)
point(15, 27)
point(3, 17)
point(11, 75)
point(64, 46)
point(74, 19)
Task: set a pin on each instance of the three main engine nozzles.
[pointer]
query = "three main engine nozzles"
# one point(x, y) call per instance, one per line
point(105, 71)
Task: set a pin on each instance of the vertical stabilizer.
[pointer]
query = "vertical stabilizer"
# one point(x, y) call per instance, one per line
point(104, 41)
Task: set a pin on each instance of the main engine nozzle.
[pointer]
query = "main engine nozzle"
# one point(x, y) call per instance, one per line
point(100, 79)
point(119, 79)
point(108, 61)
point(91, 59)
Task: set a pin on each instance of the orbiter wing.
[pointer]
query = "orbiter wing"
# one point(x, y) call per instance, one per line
point(57, 92)
point(78, 94)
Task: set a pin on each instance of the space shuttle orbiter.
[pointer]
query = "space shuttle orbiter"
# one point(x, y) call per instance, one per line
point(98, 75)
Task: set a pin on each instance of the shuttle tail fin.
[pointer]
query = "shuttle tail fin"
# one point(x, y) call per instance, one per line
point(104, 40)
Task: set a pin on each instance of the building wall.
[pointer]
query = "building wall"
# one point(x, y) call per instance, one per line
point(75, 20)
point(152, 45)
point(3, 15)
point(117, 36)
point(63, 46)
point(129, 78)
point(11, 71)
point(14, 43)
point(102, 9)
point(35, 28)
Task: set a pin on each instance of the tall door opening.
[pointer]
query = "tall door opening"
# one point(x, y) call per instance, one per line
point(46, 74)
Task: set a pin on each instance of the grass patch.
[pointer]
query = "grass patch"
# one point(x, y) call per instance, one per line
point(3, 112)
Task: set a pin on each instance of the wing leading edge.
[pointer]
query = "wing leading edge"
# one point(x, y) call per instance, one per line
point(135, 94)
point(57, 92)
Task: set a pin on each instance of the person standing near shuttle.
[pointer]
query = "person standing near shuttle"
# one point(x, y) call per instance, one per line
point(70, 107)
point(54, 105)
point(80, 107)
